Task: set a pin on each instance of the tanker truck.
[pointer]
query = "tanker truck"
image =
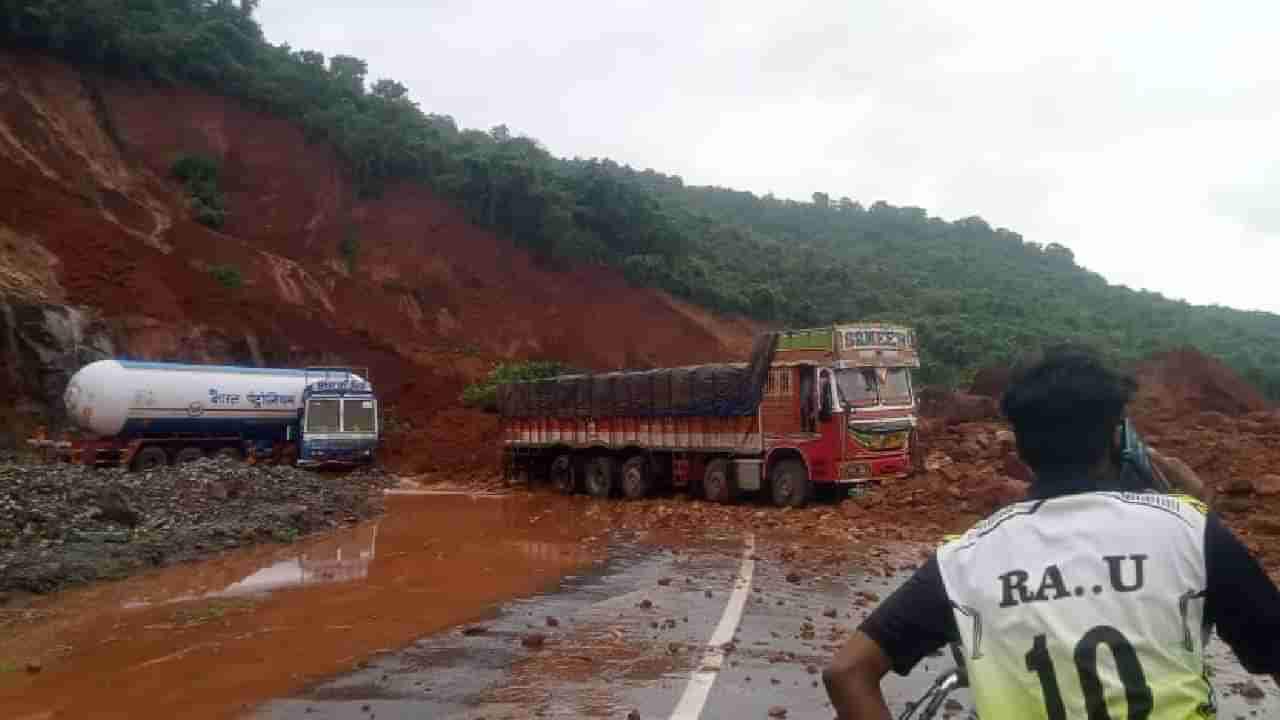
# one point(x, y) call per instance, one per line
point(829, 407)
point(147, 414)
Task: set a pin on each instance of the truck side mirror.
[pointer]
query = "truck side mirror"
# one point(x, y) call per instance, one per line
point(824, 402)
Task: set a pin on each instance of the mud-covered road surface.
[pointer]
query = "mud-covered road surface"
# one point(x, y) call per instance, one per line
point(703, 631)
point(456, 606)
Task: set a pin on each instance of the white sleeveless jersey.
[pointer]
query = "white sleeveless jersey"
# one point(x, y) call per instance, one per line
point(1085, 606)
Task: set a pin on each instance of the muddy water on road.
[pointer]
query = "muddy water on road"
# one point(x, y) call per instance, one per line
point(629, 634)
point(210, 640)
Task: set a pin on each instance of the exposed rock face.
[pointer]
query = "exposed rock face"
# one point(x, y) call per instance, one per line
point(42, 345)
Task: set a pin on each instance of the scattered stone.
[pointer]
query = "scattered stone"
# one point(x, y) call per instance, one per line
point(811, 669)
point(777, 711)
point(63, 524)
point(1251, 691)
point(552, 622)
point(793, 577)
point(34, 666)
point(1267, 485)
point(706, 593)
point(474, 630)
point(830, 612)
point(664, 581)
point(1016, 469)
point(633, 715)
point(533, 640)
point(1237, 486)
point(953, 705)
point(646, 604)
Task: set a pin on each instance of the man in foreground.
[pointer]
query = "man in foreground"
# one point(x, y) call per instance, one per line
point(1081, 602)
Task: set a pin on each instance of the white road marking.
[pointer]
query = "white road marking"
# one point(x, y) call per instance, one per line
point(701, 680)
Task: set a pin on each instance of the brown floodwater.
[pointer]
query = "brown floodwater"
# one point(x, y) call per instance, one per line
point(209, 640)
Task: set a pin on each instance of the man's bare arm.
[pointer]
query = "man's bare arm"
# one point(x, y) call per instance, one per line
point(853, 680)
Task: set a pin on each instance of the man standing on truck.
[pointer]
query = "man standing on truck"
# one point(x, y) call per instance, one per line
point(1081, 602)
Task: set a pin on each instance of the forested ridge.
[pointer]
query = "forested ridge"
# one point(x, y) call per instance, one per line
point(977, 295)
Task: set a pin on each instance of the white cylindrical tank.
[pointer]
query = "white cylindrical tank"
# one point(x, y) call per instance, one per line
point(108, 396)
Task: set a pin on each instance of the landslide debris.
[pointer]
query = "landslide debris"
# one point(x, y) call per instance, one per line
point(64, 524)
point(1174, 384)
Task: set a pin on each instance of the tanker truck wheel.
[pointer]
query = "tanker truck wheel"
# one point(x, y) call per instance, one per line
point(599, 476)
point(563, 477)
point(150, 458)
point(637, 478)
point(717, 486)
point(789, 484)
point(188, 454)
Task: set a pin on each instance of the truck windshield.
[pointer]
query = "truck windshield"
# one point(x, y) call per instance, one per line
point(864, 387)
point(895, 389)
point(322, 416)
point(358, 415)
point(857, 386)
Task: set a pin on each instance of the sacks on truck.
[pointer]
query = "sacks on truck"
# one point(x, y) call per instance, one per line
point(720, 390)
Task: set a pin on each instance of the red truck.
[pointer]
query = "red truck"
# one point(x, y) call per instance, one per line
point(822, 407)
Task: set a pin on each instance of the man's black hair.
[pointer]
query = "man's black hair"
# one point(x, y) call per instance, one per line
point(1065, 404)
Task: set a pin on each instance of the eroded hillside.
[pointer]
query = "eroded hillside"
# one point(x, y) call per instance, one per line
point(100, 255)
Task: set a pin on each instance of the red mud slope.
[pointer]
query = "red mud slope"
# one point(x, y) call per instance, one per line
point(1182, 382)
point(90, 217)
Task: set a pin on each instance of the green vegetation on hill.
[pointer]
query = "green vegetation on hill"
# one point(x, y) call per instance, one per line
point(199, 174)
point(483, 394)
point(978, 295)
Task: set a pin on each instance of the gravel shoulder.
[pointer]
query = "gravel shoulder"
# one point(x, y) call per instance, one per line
point(63, 525)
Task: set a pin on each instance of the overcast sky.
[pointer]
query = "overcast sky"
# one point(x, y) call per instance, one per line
point(1142, 135)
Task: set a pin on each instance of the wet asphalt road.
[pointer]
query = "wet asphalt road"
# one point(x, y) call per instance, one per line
point(635, 634)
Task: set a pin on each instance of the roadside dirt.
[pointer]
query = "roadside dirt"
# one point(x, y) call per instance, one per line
point(63, 524)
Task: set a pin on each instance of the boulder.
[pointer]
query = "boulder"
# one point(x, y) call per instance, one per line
point(1266, 485)
point(952, 473)
point(1237, 486)
point(852, 510)
point(964, 407)
point(114, 506)
point(1016, 469)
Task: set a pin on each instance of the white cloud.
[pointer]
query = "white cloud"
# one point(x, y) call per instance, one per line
point(1139, 134)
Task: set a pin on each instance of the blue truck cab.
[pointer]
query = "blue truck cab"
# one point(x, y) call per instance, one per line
point(338, 421)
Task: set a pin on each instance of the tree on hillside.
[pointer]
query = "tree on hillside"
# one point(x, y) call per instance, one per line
point(977, 294)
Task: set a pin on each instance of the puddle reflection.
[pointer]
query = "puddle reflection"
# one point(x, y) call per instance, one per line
point(341, 558)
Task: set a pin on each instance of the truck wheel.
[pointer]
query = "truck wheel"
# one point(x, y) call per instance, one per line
point(599, 476)
point(717, 486)
point(150, 458)
point(637, 478)
point(789, 484)
point(563, 477)
point(188, 454)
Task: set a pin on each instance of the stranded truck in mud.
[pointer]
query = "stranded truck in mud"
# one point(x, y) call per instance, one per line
point(813, 408)
point(147, 414)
